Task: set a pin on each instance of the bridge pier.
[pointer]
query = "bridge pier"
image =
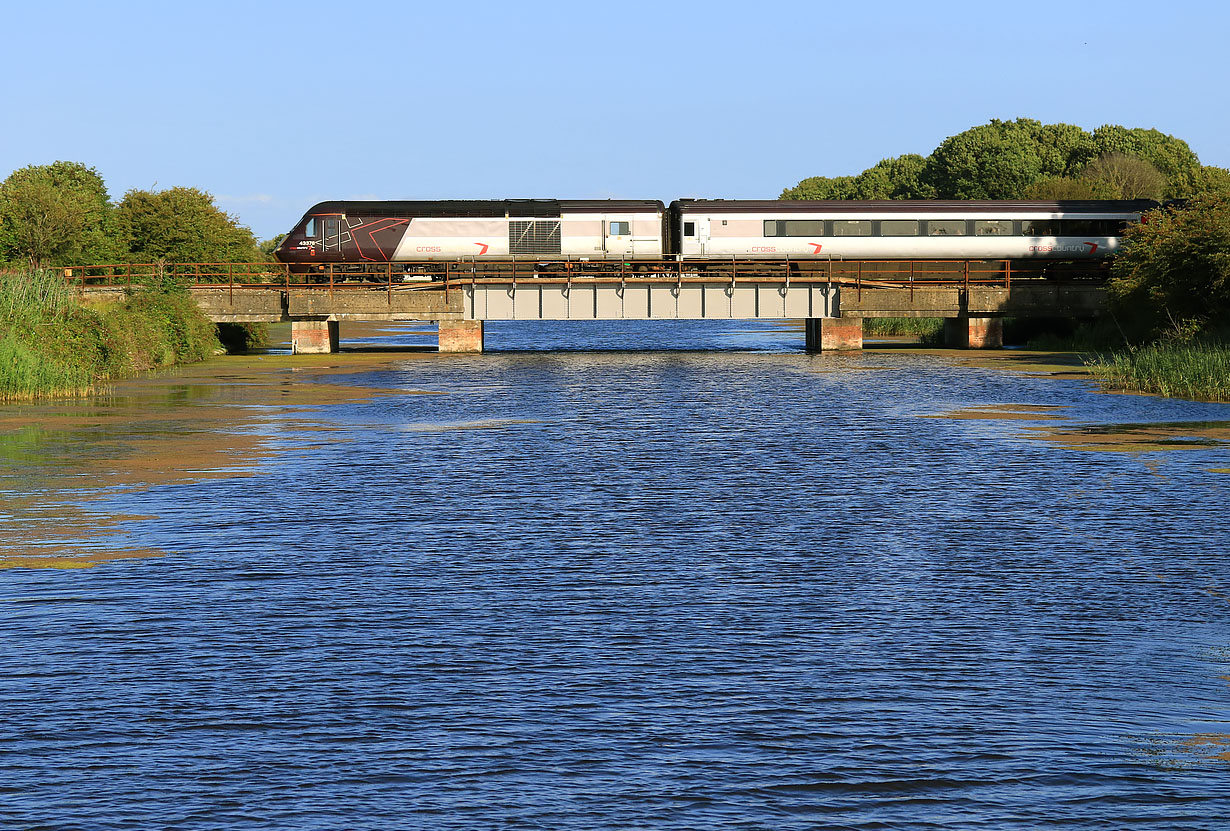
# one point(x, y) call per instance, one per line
point(828, 333)
point(974, 332)
point(313, 337)
point(461, 336)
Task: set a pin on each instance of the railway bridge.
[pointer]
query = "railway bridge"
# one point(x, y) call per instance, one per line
point(833, 297)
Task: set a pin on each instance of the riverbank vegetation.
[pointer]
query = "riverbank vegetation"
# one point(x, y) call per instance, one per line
point(53, 343)
point(60, 214)
point(1199, 371)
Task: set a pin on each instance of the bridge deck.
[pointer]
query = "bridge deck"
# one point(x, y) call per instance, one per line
point(602, 290)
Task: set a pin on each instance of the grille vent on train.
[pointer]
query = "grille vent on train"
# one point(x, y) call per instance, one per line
point(533, 236)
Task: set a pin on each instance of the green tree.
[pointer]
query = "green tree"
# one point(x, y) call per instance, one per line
point(1001, 159)
point(57, 214)
point(1170, 155)
point(896, 178)
point(822, 187)
point(182, 225)
point(1213, 181)
point(1173, 269)
point(1061, 187)
point(267, 247)
point(1120, 176)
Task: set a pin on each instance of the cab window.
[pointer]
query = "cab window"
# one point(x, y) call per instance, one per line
point(309, 230)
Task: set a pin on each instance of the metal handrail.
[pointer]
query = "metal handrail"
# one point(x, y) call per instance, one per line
point(448, 274)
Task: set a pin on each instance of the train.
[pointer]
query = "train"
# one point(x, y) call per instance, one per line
point(358, 235)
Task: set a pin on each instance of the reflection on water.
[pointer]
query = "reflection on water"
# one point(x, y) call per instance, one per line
point(677, 577)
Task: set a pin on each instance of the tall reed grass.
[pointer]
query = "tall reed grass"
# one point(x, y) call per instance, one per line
point(924, 327)
point(1197, 371)
point(53, 344)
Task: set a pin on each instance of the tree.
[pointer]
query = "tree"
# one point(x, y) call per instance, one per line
point(182, 225)
point(1213, 181)
point(896, 178)
point(822, 187)
point(1026, 158)
point(1120, 176)
point(1170, 155)
point(1061, 187)
point(1173, 269)
point(57, 214)
point(267, 247)
point(1000, 160)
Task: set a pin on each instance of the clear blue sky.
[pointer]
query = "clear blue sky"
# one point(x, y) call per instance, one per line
point(273, 106)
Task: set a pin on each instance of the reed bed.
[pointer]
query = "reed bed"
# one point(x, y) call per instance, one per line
point(1196, 371)
point(923, 327)
point(52, 344)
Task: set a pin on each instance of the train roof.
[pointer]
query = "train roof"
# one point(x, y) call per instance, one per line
point(874, 206)
point(484, 207)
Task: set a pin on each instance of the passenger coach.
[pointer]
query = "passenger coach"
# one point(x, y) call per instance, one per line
point(891, 229)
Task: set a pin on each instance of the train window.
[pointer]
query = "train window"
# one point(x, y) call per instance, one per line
point(689, 229)
point(309, 230)
point(1041, 228)
point(852, 227)
point(619, 229)
point(1091, 228)
point(992, 227)
point(794, 227)
point(804, 227)
point(946, 227)
point(899, 227)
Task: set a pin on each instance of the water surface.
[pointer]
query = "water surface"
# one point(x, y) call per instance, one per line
point(624, 576)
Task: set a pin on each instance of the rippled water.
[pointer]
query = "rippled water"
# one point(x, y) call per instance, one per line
point(632, 585)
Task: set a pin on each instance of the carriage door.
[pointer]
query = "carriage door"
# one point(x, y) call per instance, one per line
point(331, 236)
point(696, 233)
point(617, 235)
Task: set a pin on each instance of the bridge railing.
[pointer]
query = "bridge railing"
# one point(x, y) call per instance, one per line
point(448, 274)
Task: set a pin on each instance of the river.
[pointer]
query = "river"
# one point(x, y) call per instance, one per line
point(623, 576)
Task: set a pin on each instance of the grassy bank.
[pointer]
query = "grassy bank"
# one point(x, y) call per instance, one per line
point(53, 344)
point(1199, 371)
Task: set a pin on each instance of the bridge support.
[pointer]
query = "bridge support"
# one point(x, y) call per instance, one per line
point(974, 332)
point(313, 337)
point(461, 336)
point(828, 333)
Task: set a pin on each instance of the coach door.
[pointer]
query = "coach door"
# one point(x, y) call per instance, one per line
point(331, 235)
point(695, 236)
point(617, 235)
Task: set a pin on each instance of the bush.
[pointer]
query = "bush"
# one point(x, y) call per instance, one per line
point(1171, 278)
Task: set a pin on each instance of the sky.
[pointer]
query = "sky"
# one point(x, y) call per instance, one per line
point(274, 106)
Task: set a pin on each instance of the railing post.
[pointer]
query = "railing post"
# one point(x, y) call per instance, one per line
point(1008, 274)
